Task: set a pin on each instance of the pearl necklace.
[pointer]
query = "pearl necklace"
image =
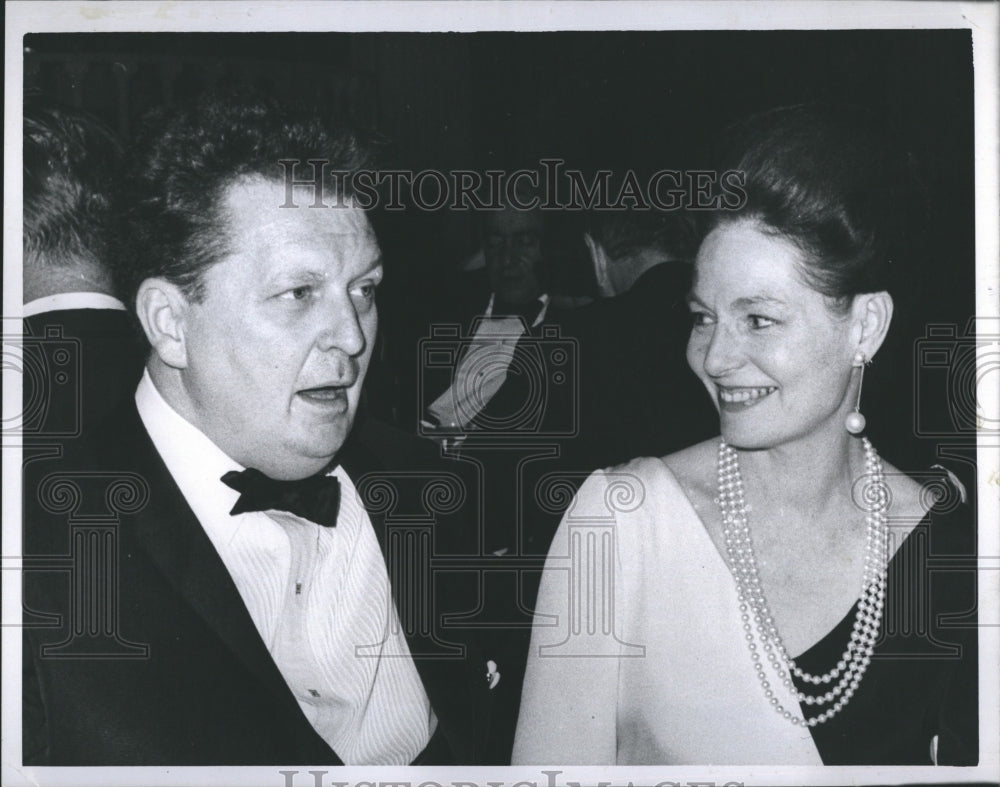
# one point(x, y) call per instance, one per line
point(753, 605)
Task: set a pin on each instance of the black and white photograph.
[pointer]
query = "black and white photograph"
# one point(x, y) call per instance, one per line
point(501, 393)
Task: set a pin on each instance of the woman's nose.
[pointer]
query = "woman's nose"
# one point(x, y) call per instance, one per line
point(722, 352)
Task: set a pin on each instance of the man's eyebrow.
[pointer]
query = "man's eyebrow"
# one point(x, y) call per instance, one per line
point(376, 267)
point(304, 274)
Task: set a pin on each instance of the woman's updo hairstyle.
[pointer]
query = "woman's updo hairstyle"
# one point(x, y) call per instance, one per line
point(826, 178)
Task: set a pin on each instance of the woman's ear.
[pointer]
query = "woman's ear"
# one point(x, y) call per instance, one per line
point(162, 309)
point(872, 313)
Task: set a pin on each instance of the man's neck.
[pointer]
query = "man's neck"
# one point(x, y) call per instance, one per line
point(42, 281)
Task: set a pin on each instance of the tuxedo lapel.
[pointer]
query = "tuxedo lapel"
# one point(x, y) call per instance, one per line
point(168, 531)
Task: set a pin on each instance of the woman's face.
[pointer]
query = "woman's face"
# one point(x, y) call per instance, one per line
point(774, 358)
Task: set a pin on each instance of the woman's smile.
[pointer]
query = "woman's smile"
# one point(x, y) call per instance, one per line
point(735, 399)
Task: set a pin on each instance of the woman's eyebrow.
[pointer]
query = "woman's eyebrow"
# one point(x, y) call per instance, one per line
point(757, 300)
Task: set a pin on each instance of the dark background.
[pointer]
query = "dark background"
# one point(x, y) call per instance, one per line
point(641, 100)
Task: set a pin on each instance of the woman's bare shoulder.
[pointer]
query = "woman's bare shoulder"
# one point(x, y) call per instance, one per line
point(695, 470)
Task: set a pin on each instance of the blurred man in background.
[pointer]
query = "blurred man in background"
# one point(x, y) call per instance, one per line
point(71, 162)
point(639, 398)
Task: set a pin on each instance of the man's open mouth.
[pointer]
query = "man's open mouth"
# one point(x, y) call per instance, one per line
point(323, 394)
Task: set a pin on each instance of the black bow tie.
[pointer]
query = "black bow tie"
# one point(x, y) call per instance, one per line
point(316, 498)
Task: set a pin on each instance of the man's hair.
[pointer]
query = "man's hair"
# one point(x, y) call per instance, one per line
point(71, 160)
point(625, 233)
point(185, 160)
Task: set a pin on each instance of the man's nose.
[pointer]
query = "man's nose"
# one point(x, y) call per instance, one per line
point(508, 256)
point(342, 329)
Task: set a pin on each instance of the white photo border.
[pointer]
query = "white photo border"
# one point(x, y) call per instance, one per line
point(201, 16)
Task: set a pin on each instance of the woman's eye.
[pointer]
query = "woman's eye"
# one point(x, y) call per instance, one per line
point(699, 319)
point(758, 321)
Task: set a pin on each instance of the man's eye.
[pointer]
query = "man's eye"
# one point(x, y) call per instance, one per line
point(297, 293)
point(758, 321)
point(366, 291)
point(700, 319)
point(526, 241)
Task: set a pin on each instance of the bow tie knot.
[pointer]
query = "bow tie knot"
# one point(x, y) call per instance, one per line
point(316, 498)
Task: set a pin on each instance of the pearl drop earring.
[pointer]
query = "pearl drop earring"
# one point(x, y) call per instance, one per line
point(855, 422)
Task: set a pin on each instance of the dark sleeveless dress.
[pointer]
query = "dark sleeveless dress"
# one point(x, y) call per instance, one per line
point(917, 703)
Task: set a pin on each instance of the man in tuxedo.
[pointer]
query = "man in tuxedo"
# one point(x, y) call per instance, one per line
point(508, 386)
point(486, 376)
point(478, 315)
point(81, 352)
point(263, 560)
point(502, 398)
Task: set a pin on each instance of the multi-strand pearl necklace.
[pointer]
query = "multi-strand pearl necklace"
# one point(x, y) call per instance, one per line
point(754, 610)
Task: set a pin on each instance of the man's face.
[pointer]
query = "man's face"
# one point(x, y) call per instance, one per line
point(513, 249)
point(278, 348)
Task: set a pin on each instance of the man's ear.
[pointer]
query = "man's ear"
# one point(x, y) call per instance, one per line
point(599, 259)
point(162, 309)
point(872, 313)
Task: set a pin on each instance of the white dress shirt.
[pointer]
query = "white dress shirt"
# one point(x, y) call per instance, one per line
point(64, 301)
point(482, 371)
point(319, 596)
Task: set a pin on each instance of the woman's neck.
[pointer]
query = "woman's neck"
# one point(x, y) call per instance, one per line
point(807, 475)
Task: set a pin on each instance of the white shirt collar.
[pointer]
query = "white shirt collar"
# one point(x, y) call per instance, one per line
point(63, 301)
point(544, 298)
point(194, 461)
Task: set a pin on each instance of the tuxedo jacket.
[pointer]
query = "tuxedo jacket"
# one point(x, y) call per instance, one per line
point(138, 649)
point(82, 364)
